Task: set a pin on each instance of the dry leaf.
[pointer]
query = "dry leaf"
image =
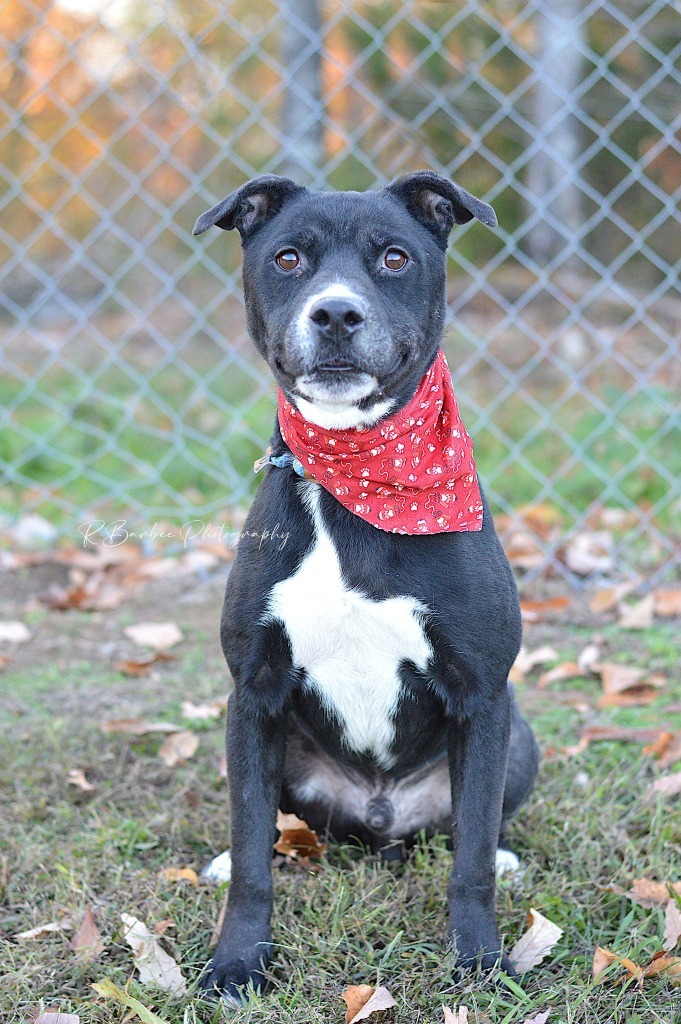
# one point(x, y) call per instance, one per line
point(665, 786)
point(76, 777)
point(639, 615)
point(660, 745)
point(672, 754)
point(537, 942)
point(667, 603)
point(590, 551)
point(608, 599)
point(356, 996)
point(537, 611)
point(296, 838)
point(670, 966)
point(589, 658)
point(179, 746)
point(604, 957)
point(110, 990)
point(138, 726)
point(568, 670)
point(527, 660)
point(460, 1016)
point(179, 875)
point(363, 1000)
point(647, 893)
point(161, 927)
point(4, 661)
point(87, 942)
point(155, 966)
point(49, 1016)
point(204, 712)
point(617, 678)
point(540, 1018)
point(672, 925)
point(616, 733)
point(159, 635)
point(14, 632)
point(142, 666)
point(95, 593)
point(64, 923)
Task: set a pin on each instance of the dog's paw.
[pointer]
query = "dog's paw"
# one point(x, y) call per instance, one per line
point(485, 960)
point(228, 976)
point(506, 863)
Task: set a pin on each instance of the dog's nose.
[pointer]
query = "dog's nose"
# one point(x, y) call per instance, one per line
point(336, 317)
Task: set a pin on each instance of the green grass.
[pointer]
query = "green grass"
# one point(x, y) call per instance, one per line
point(354, 921)
point(81, 444)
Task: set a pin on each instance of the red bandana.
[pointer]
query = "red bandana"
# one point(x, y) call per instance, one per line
point(411, 473)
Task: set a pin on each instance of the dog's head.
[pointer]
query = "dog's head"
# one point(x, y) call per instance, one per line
point(345, 291)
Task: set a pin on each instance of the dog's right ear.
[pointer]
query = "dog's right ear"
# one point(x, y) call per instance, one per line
point(250, 206)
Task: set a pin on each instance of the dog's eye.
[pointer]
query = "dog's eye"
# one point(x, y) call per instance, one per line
point(395, 259)
point(287, 259)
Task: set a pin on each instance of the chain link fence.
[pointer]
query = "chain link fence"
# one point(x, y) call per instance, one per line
point(128, 385)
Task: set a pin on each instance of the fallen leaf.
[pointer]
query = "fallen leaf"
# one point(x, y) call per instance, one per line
point(660, 745)
point(63, 924)
point(673, 752)
point(590, 551)
point(76, 777)
point(460, 1016)
point(49, 1016)
point(14, 632)
point(297, 839)
point(617, 678)
point(667, 603)
point(670, 966)
point(138, 726)
point(179, 875)
point(87, 942)
point(611, 733)
point(142, 666)
point(522, 550)
point(110, 990)
point(537, 942)
point(604, 957)
point(178, 746)
point(608, 599)
point(527, 660)
point(539, 1018)
point(161, 927)
point(95, 593)
point(666, 786)
point(639, 615)
point(537, 611)
point(159, 635)
point(589, 658)
point(672, 925)
point(155, 966)
point(647, 893)
point(204, 712)
point(567, 670)
point(4, 661)
point(363, 1000)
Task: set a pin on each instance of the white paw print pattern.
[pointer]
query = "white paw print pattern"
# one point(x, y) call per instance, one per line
point(412, 474)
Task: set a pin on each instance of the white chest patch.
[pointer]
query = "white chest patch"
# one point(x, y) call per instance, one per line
point(350, 646)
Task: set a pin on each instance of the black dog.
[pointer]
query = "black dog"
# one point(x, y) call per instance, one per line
point(370, 667)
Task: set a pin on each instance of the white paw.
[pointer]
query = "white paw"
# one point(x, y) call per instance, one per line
point(506, 862)
point(220, 868)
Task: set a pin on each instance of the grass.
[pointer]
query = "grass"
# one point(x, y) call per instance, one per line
point(188, 438)
point(355, 920)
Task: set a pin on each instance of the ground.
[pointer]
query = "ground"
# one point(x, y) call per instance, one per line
point(586, 830)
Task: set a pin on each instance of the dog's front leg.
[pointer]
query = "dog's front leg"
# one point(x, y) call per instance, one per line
point(478, 752)
point(256, 745)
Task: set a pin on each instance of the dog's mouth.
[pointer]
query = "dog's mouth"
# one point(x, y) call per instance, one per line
point(334, 366)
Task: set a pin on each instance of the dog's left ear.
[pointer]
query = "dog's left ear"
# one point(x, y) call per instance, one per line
point(439, 203)
point(250, 206)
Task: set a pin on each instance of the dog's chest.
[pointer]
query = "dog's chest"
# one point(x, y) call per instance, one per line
point(350, 646)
